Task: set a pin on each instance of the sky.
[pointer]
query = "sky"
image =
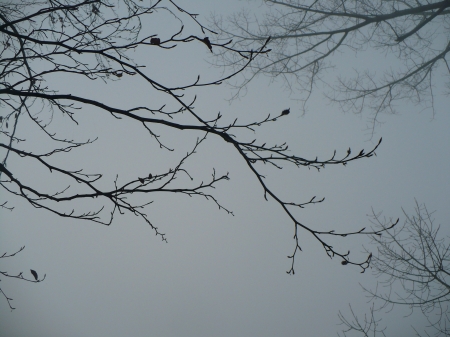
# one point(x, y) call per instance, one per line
point(218, 275)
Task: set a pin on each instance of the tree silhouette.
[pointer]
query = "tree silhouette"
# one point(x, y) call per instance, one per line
point(305, 35)
point(413, 269)
point(95, 40)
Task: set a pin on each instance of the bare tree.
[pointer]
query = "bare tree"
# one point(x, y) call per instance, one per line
point(94, 40)
point(413, 268)
point(306, 34)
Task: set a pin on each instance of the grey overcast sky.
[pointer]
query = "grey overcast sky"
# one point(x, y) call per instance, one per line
point(220, 275)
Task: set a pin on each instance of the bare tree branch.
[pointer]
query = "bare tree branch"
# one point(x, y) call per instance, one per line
point(413, 267)
point(95, 40)
point(18, 276)
point(305, 34)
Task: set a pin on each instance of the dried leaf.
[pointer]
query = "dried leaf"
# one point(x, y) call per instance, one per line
point(155, 41)
point(34, 274)
point(208, 43)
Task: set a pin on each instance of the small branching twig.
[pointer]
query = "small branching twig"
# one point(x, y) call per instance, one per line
point(19, 276)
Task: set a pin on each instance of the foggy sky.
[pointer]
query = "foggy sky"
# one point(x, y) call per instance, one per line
point(220, 275)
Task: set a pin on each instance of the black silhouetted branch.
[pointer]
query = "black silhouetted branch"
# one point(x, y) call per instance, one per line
point(94, 40)
point(18, 276)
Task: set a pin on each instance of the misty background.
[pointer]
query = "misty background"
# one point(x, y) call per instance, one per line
point(220, 275)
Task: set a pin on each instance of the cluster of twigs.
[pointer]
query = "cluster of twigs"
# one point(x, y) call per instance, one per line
point(92, 39)
point(306, 35)
point(412, 265)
